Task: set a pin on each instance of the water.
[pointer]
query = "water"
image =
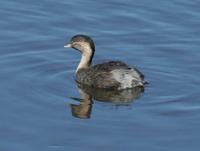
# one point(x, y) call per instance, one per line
point(38, 91)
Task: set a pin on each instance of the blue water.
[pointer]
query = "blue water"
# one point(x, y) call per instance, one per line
point(38, 91)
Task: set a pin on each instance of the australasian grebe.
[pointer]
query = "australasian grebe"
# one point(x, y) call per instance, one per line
point(109, 75)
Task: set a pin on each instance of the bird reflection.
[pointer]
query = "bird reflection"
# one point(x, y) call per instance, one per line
point(87, 94)
point(83, 110)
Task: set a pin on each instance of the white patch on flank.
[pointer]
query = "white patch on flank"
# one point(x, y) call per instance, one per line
point(126, 78)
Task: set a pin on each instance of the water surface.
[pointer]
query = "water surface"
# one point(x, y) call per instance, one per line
point(38, 91)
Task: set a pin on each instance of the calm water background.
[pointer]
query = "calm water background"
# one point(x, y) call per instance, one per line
point(161, 38)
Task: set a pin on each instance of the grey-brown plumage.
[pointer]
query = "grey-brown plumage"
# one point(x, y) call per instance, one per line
point(108, 75)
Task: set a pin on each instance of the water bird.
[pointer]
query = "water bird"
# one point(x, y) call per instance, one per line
point(111, 75)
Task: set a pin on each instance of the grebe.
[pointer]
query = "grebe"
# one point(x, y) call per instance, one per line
point(112, 75)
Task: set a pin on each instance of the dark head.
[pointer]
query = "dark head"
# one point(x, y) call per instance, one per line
point(82, 43)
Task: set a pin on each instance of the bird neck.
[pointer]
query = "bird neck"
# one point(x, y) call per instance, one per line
point(86, 60)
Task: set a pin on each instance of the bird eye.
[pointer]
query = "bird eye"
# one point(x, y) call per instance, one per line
point(77, 46)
